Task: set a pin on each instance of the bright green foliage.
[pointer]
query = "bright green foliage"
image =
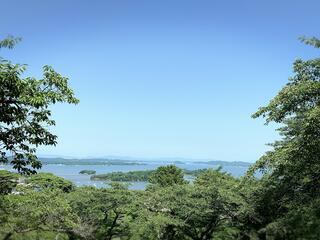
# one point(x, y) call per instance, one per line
point(102, 212)
point(167, 176)
point(209, 177)
point(24, 111)
point(42, 181)
point(285, 200)
point(119, 185)
point(45, 211)
point(195, 172)
point(205, 210)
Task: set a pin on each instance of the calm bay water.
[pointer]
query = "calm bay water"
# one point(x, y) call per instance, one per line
point(71, 172)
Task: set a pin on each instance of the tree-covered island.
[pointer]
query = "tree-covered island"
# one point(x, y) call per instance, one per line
point(137, 176)
point(88, 172)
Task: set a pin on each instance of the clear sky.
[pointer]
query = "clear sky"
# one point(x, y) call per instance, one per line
point(166, 78)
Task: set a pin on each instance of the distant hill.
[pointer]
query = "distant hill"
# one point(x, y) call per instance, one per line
point(106, 161)
point(88, 161)
point(132, 161)
point(225, 163)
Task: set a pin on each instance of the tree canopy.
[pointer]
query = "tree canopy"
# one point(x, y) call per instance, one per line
point(167, 176)
point(25, 116)
point(289, 188)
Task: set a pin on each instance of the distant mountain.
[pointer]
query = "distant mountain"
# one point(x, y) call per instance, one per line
point(87, 161)
point(118, 160)
point(132, 161)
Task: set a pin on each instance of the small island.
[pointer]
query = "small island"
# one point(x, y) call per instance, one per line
point(136, 176)
point(87, 172)
point(132, 176)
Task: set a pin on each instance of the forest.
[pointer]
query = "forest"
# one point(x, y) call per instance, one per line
point(282, 203)
point(137, 176)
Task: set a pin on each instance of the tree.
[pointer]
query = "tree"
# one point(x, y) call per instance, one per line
point(42, 213)
point(102, 212)
point(167, 176)
point(24, 111)
point(8, 181)
point(289, 187)
point(42, 181)
point(204, 210)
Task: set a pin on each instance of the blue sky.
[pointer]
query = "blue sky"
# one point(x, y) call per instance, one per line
point(169, 78)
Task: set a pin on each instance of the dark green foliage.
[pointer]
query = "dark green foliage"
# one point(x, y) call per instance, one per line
point(8, 181)
point(132, 176)
point(88, 172)
point(284, 201)
point(24, 111)
point(136, 176)
point(9, 42)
